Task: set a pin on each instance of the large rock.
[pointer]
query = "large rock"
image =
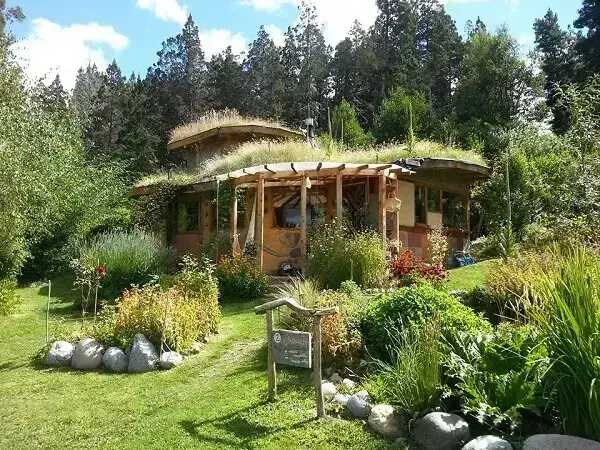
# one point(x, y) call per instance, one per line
point(385, 421)
point(335, 378)
point(359, 405)
point(488, 442)
point(328, 389)
point(559, 442)
point(340, 399)
point(349, 383)
point(441, 431)
point(87, 355)
point(143, 357)
point(115, 360)
point(60, 354)
point(168, 360)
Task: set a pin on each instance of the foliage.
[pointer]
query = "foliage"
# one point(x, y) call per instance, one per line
point(416, 305)
point(346, 129)
point(337, 254)
point(497, 377)
point(130, 257)
point(240, 278)
point(410, 270)
point(566, 308)
point(486, 302)
point(9, 301)
point(400, 115)
point(412, 382)
point(88, 279)
point(437, 246)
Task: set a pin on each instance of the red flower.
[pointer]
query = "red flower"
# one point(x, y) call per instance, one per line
point(101, 270)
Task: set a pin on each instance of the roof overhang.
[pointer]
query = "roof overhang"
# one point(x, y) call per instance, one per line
point(255, 131)
point(471, 170)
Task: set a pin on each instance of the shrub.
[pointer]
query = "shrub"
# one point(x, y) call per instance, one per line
point(240, 278)
point(437, 247)
point(484, 301)
point(498, 377)
point(412, 382)
point(340, 254)
point(566, 307)
point(410, 270)
point(400, 114)
point(8, 298)
point(417, 305)
point(130, 258)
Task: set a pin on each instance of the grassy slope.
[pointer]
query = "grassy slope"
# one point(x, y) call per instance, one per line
point(468, 277)
point(215, 400)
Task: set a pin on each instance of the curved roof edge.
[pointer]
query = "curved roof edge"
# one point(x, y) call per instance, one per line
point(258, 130)
point(473, 170)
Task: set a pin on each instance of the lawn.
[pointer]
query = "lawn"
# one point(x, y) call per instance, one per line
point(215, 400)
point(468, 277)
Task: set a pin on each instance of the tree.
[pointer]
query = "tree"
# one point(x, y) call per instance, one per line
point(8, 15)
point(401, 115)
point(84, 101)
point(54, 96)
point(559, 62)
point(225, 81)
point(346, 129)
point(589, 45)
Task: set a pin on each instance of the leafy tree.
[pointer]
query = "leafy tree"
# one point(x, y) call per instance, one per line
point(8, 15)
point(401, 115)
point(54, 95)
point(346, 129)
point(225, 81)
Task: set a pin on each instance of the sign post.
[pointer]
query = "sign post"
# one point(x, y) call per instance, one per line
point(293, 348)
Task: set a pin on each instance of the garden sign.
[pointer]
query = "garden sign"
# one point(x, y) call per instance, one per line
point(293, 348)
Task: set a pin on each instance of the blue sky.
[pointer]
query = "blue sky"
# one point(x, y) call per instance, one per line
point(59, 36)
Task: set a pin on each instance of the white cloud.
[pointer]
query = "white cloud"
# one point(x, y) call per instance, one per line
point(168, 10)
point(268, 5)
point(276, 34)
point(52, 49)
point(216, 40)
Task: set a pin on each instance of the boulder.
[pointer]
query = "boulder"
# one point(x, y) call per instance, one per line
point(143, 357)
point(340, 399)
point(87, 355)
point(441, 431)
point(359, 405)
point(348, 383)
point(328, 389)
point(488, 442)
point(115, 360)
point(385, 421)
point(559, 442)
point(335, 378)
point(60, 354)
point(168, 360)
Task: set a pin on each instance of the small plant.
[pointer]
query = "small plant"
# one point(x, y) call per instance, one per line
point(408, 270)
point(437, 247)
point(9, 300)
point(88, 281)
point(240, 278)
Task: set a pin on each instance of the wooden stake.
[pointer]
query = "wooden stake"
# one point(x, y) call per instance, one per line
point(270, 359)
point(234, 223)
point(382, 210)
point(338, 199)
point(260, 212)
point(48, 312)
point(317, 366)
point(396, 222)
point(303, 197)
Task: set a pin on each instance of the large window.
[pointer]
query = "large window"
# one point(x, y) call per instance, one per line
point(187, 217)
point(454, 210)
point(434, 200)
point(287, 208)
point(420, 204)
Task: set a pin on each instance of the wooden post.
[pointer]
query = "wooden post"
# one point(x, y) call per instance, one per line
point(382, 210)
point(235, 245)
point(303, 197)
point(48, 312)
point(270, 359)
point(338, 200)
point(260, 212)
point(396, 221)
point(317, 365)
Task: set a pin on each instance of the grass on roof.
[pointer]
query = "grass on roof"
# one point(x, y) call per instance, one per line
point(223, 118)
point(268, 152)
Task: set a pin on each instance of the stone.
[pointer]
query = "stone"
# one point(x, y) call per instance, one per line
point(168, 360)
point(60, 354)
point(384, 420)
point(559, 442)
point(340, 399)
point(87, 354)
point(348, 383)
point(115, 360)
point(488, 442)
point(335, 378)
point(359, 405)
point(328, 389)
point(143, 357)
point(328, 371)
point(441, 431)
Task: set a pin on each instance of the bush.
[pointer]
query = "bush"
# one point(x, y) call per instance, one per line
point(180, 315)
point(410, 270)
point(130, 258)
point(8, 298)
point(412, 382)
point(240, 278)
point(394, 121)
point(339, 254)
point(484, 301)
point(417, 305)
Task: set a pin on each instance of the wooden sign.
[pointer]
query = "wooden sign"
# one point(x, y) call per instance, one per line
point(292, 348)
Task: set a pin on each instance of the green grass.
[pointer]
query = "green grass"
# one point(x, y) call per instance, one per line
point(216, 400)
point(468, 277)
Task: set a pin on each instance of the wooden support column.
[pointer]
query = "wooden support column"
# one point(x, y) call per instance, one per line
point(339, 212)
point(260, 213)
point(317, 365)
point(303, 198)
point(270, 357)
point(396, 221)
point(235, 242)
point(382, 210)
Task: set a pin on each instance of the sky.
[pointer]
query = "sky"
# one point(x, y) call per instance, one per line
point(59, 36)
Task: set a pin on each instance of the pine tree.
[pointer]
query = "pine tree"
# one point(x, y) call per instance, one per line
point(84, 101)
point(54, 97)
point(589, 45)
point(225, 81)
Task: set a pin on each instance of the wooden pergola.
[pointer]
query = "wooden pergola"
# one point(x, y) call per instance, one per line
point(306, 174)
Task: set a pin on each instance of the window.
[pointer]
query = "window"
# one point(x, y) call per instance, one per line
point(454, 210)
point(420, 213)
point(187, 217)
point(286, 205)
point(434, 200)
